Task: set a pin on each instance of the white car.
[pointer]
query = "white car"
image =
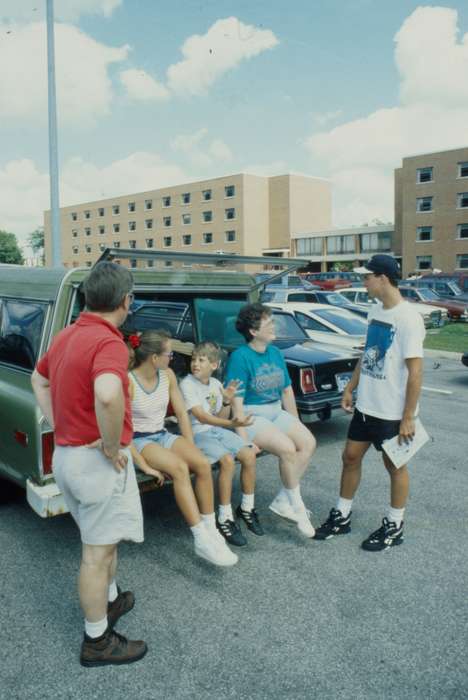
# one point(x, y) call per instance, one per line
point(328, 324)
point(434, 316)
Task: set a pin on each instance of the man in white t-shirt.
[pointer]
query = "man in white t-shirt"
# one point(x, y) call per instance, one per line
point(388, 379)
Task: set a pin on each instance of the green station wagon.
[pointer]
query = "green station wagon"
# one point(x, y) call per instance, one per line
point(194, 304)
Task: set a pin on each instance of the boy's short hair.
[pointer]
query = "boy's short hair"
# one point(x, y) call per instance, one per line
point(208, 349)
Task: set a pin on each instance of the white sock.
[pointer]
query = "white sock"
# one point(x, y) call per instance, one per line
point(395, 515)
point(96, 629)
point(113, 592)
point(247, 502)
point(344, 505)
point(209, 520)
point(282, 494)
point(295, 498)
point(225, 513)
point(198, 530)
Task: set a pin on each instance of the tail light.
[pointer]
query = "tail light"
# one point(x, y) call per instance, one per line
point(307, 380)
point(47, 444)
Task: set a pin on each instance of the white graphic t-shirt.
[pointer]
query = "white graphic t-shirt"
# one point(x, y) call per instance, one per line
point(208, 396)
point(393, 336)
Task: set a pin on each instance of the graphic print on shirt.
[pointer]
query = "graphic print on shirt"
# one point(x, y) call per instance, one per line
point(212, 401)
point(268, 378)
point(379, 339)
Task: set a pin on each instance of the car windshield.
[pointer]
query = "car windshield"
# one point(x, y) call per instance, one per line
point(335, 298)
point(429, 295)
point(343, 320)
point(287, 328)
point(454, 287)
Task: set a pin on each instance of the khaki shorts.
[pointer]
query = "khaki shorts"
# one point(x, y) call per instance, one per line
point(104, 503)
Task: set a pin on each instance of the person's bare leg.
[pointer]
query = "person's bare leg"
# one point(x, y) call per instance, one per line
point(94, 577)
point(248, 461)
point(305, 444)
point(177, 469)
point(399, 483)
point(113, 567)
point(200, 466)
point(226, 475)
point(282, 446)
point(353, 454)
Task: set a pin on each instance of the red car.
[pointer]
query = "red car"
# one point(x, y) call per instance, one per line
point(456, 310)
point(331, 281)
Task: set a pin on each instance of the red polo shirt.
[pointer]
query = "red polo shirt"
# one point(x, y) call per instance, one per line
point(78, 354)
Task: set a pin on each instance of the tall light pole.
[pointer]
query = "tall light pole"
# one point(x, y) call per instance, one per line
point(53, 148)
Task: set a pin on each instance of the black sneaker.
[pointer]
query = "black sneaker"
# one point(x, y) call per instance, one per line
point(336, 524)
point(250, 518)
point(389, 535)
point(231, 533)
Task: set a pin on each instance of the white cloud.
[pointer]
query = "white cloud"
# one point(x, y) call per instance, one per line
point(141, 86)
point(207, 57)
point(200, 150)
point(24, 189)
point(84, 89)
point(360, 156)
point(323, 118)
point(64, 10)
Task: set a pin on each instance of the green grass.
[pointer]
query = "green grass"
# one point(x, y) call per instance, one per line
point(452, 337)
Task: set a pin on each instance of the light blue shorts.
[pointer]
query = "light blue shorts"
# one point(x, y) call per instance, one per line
point(268, 416)
point(217, 442)
point(163, 438)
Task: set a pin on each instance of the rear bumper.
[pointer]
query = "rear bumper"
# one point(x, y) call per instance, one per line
point(46, 500)
point(318, 409)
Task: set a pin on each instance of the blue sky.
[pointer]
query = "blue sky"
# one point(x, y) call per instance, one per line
point(321, 88)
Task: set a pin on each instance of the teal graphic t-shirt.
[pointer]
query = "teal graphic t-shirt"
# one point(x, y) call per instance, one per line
point(263, 375)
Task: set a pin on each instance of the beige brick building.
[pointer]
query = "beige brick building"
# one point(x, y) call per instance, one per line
point(242, 213)
point(431, 211)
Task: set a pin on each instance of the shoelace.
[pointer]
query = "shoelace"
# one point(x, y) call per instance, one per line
point(250, 515)
point(227, 527)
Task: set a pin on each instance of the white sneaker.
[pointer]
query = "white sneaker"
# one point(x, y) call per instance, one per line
point(304, 525)
point(216, 552)
point(281, 507)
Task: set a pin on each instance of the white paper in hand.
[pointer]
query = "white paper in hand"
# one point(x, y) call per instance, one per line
point(401, 454)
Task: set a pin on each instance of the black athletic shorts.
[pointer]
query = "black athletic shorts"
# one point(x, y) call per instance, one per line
point(364, 428)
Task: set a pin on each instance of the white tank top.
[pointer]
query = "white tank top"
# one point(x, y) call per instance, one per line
point(149, 407)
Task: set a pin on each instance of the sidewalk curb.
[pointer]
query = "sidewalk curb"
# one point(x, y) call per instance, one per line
point(443, 354)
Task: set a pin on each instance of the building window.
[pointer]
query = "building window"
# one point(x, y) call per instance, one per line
point(424, 233)
point(131, 206)
point(462, 261)
point(230, 191)
point(149, 242)
point(88, 263)
point(424, 175)
point(102, 246)
point(206, 195)
point(101, 230)
point(74, 232)
point(340, 245)
point(424, 204)
point(87, 214)
point(207, 216)
point(230, 236)
point(229, 214)
point(101, 211)
point(187, 239)
point(207, 238)
point(132, 225)
point(148, 223)
point(424, 262)
point(309, 246)
point(462, 200)
point(376, 242)
point(186, 219)
point(74, 216)
point(75, 250)
point(115, 209)
point(166, 201)
point(87, 232)
point(116, 228)
point(168, 263)
point(132, 243)
point(88, 248)
point(133, 262)
point(167, 221)
point(185, 198)
point(167, 241)
point(116, 244)
point(150, 263)
point(463, 169)
point(148, 204)
point(462, 231)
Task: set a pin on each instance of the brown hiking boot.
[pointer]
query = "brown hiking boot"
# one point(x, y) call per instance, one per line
point(111, 648)
point(120, 606)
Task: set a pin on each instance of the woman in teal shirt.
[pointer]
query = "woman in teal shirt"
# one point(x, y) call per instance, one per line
point(265, 392)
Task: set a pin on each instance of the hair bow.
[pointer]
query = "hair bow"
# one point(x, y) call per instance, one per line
point(134, 340)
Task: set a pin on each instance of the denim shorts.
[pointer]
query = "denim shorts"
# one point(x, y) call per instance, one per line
point(268, 416)
point(163, 438)
point(217, 442)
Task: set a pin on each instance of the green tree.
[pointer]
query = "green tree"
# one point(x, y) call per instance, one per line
point(9, 249)
point(36, 242)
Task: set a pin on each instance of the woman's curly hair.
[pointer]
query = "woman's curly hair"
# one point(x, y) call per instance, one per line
point(250, 317)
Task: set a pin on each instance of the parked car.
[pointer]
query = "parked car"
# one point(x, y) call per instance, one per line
point(327, 324)
point(333, 280)
point(445, 288)
point(312, 297)
point(285, 281)
point(456, 310)
point(464, 359)
point(433, 317)
point(36, 303)
point(459, 278)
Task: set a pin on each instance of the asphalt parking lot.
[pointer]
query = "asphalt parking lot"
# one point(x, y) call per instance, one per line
point(295, 619)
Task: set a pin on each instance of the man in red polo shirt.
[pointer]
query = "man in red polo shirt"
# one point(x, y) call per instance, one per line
point(81, 385)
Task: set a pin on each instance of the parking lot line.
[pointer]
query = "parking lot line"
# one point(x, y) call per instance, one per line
point(437, 391)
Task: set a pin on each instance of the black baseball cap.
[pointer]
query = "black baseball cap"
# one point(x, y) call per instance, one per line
point(381, 265)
